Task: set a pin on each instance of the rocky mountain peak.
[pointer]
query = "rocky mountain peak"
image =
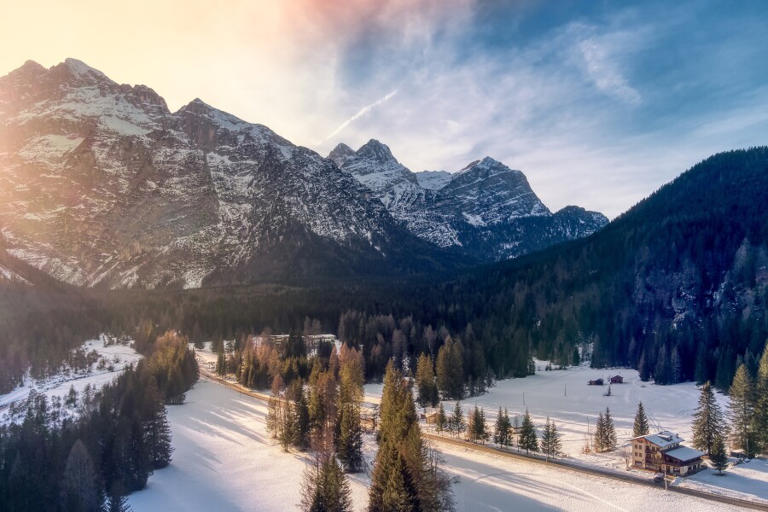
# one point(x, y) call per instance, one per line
point(486, 166)
point(29, 68)
point(375, 150)
point(77, 72)
point(341, 153)
point(196, 106)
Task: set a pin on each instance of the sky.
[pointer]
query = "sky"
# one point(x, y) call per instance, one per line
point(599, 103)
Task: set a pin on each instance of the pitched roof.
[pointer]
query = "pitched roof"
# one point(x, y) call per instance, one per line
point(662, 439)
point(684, 453)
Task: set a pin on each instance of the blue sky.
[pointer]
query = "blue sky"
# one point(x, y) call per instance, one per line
point(599, 103)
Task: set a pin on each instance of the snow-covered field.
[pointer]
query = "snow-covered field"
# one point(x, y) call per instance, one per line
point(113, 357)
point(564, 396)
point(224, 460)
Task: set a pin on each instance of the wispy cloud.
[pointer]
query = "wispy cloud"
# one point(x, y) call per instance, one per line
point(360, 113)
point(604, 72)
point(598, 103)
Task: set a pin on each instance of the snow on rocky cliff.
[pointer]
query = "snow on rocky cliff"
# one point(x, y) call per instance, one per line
point(486, 209)
point(102, 185)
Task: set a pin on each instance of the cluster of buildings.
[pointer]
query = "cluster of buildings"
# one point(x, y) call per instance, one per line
point(616, 379)
point(311, 341)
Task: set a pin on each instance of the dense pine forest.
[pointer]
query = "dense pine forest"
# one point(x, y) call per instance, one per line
point(49, 462)
point(675, 287)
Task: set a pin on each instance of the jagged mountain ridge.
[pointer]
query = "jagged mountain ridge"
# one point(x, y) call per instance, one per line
point(101, 185)
point(487, 210)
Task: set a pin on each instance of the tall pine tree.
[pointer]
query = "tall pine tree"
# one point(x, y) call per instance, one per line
point(718, 455)
point(450, 370)
point(78, 485)
point(325, 487)
point(641, 422)
point(550, 440)
point(610, 431)
point(441, 421)
point(708, 423)
point(425, 382)
point(502, 432)
point(761, 402)
point(742, 409)
point(599, 440)
point(457, 423)
point(221, 361)
point(528, 439)
point(404, 477)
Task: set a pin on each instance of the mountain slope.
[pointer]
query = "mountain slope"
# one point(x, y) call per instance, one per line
point(102, 186)
point(487, 210)
point(677, 286)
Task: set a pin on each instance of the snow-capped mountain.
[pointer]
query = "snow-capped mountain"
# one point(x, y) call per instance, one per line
point(433, 180)
point(101, 185)
point(486, 209)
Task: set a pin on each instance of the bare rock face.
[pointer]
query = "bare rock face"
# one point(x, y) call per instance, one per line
point(486, 210)
point(101, 185)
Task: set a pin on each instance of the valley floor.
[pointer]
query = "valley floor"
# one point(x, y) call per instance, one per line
point(224, 460)
point(565, 397)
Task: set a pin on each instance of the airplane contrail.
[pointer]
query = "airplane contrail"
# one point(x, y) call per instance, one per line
point(361, 113)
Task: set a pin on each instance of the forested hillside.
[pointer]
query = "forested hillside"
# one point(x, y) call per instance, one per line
point(677, 286)
point(42, 320)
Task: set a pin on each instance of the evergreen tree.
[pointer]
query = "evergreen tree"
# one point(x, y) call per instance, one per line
point(349, 444)
point(78, 485)
point(481, 429)
point(158, 433)
point(117, 503)
point(600, 438)
point(550, 440)
point(742, 410)
point(458, 425)
point(288, 423)
point(528, 439)
point(441, 422)
point(425, 382)
point(275, 408)
point(476, 429)
point(325, 487)
point(405, 477)
point(302, 428)
point(641, 422)
point(761, 402)
point(610, 431)
point(471, 424)
point(708, 421)
point(450, 370)
point(221, 361)
point(576, 357)
point(718, 455)
point(502, 432)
